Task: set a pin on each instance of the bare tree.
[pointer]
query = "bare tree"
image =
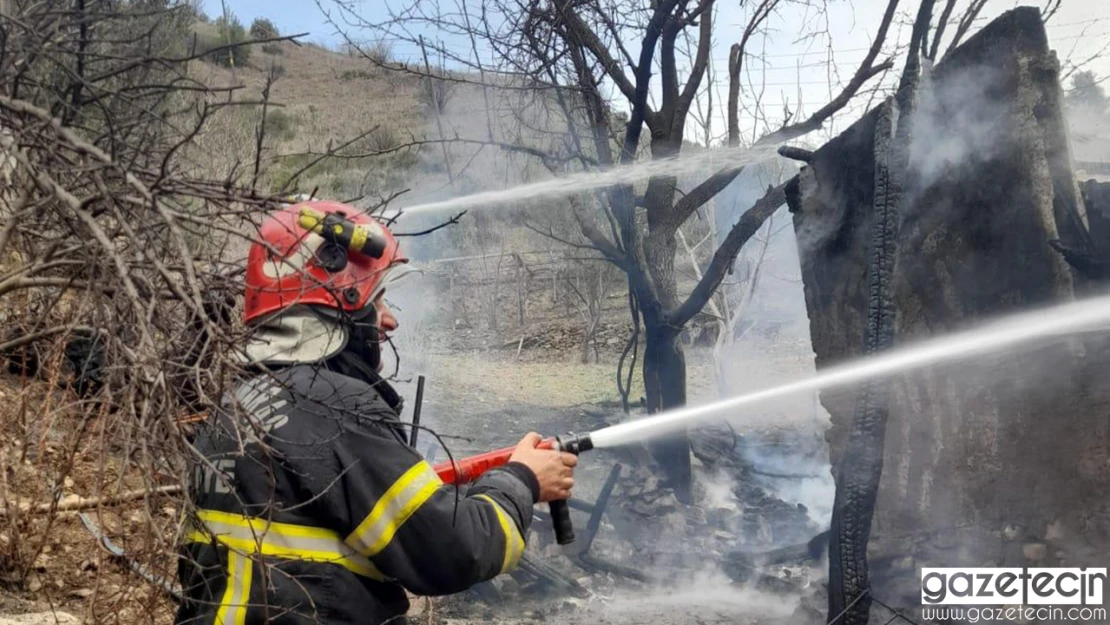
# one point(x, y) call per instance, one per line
point(590, 284)
point(565, 56)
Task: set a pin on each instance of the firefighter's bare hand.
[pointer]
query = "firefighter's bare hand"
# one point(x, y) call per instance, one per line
point(554, 469)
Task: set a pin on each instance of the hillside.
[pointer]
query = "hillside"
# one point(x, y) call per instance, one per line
point(318, 98)
point(328, 96)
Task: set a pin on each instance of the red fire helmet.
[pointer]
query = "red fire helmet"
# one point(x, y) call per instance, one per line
point(295, 261)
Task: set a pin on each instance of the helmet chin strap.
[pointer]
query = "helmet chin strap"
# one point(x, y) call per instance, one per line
point(366, 340)
point(363, 353)
point(352, 365)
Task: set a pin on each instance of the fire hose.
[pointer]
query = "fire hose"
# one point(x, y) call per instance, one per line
point(469, 469)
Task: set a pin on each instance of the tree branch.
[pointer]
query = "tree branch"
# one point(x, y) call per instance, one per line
point(941, 25)
point(641, 114)
point(867, 70)
point(668, 74)
point(600, 242)
point(701, 61)
point(716, 183)
point(588, 38)
point(546, 157)
point(965, 23)
point(15, 284)
point(16, 343)
point(725, 255)
point(452, 221)
point(736, 61)
point(1050, 9)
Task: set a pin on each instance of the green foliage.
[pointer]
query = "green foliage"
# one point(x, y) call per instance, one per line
point(262, 28)
point(280, 125)
point(355, 74)
point(229, 32)
point(195, 9)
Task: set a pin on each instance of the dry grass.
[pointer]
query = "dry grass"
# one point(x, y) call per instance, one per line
point(505, 381)
point(326, 107)
point(48, 452)
point(324, 99)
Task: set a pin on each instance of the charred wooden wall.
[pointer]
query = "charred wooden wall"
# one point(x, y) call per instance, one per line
point(1003, 460)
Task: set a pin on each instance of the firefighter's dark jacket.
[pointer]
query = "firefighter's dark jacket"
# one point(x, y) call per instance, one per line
point(312, 508)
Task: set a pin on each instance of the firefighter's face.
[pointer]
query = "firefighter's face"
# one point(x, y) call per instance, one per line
point(387, 321)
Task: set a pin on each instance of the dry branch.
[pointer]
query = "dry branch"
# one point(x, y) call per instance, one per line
point(867, 70)
point(74, 503)
point(747, 226)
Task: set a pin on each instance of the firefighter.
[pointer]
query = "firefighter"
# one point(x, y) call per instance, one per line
point(310, 506)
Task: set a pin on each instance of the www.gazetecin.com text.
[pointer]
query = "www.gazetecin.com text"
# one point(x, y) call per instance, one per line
point(989, 614)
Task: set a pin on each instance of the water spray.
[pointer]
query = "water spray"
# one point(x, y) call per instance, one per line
point(594, 180)
point(1007, 332)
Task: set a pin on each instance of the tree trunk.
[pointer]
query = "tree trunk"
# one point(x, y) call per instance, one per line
point(664, 360)
point(588, 336)
point(521, 289)
point(665, 387)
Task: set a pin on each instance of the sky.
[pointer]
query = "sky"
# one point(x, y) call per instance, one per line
point(802, 72)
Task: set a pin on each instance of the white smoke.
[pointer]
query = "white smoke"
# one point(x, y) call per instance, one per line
point(959, 121)
point(706, 593)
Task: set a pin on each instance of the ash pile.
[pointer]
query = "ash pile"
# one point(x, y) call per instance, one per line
point(748, 530)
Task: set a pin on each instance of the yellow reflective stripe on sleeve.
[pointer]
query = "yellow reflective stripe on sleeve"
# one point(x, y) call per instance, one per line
point(400, 502)
point(281, 540)
point(514, 542)
point(233, 605)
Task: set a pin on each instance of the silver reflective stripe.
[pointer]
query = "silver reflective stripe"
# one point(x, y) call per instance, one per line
point(233, 605)
point(261, 399)
point(514, 542)
point(400, 502)
point(282, 540)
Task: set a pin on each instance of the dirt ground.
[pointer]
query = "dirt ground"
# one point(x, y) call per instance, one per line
point(776, 495)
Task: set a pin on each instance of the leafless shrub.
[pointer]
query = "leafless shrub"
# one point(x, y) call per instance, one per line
point(384, 139)
point(589, 281)
point(116, 228)
point(379, 51)
point(436, 94)
point(131, 193)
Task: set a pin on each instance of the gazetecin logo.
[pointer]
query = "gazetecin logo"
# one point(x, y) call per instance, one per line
point(1030, 594)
